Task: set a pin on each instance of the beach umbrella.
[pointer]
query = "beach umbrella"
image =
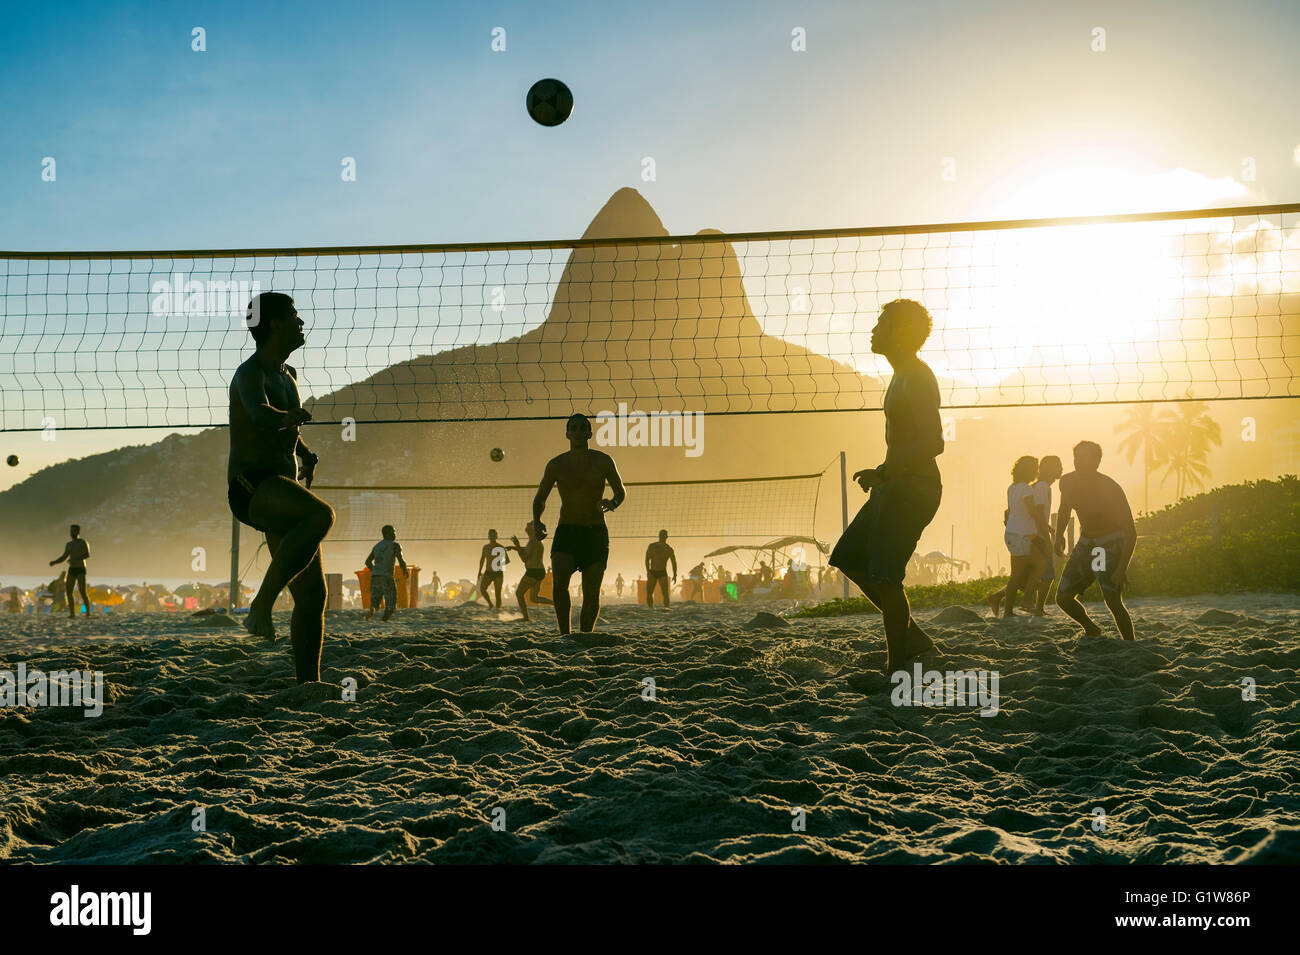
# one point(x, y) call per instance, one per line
point(8, 591)
point(186, 590)
point(104, 595)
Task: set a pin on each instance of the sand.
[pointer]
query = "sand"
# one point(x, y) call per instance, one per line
point(459, 714)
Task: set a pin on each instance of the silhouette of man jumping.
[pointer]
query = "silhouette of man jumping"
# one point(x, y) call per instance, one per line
point(905, 490)
point(581, 541)
point(264, 473)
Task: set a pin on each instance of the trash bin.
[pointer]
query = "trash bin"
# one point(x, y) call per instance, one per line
point(640, 590)
point(333, 591)
point(363, 578)
point(413, 588)
point(399, 580)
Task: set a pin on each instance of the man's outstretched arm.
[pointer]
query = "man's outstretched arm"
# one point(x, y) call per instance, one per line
point(61, 558)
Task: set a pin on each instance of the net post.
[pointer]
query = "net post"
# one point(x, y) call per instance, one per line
point(234, 565)
point(844, 507)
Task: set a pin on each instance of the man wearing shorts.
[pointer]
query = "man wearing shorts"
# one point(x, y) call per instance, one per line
point(75, 552)
point(905, 490)
point(1106, 543)
point(383, 586)
point(581, 540)
point(657, 556)
point(268, 460)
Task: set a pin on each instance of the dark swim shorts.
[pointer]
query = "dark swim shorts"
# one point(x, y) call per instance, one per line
point(1093, 558)
point(537, 573)
point(587, 544)
point(493, 577)
point(882, 538)
point(75, 572)
point(240, 494)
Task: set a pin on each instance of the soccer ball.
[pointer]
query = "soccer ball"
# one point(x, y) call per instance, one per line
point(12, 460)
point(549, 102)
point(498, 454)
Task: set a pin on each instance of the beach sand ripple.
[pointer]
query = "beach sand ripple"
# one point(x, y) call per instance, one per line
point(767, 744)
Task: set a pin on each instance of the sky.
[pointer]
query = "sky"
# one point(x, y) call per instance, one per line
point(890, 113)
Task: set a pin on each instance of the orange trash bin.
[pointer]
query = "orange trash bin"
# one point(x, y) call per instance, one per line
point(640, 590)
point(414, 585)
point(363, 578)
point(399, 580)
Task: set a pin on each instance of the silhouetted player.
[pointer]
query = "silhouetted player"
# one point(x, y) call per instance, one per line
point(75, 552)
point(657, 556)
point(905, 490)
point(533, 554)
point(492, 568)
point(1106, 543)
point(383, 586)
point(264, 474)
point(581, 539)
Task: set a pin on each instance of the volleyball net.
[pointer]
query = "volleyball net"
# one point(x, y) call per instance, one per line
point(1202, 305)
point(742, 507)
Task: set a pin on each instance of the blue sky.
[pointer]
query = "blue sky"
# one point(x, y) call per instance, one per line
point(161, 147)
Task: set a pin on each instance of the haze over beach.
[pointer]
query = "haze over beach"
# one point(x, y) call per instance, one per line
point(712, 434)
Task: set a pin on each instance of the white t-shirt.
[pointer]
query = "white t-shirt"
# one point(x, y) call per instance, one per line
point(1019, 520)
point(1043, 501)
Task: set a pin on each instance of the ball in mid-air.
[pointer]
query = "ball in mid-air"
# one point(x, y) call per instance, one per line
point(549, 102)
point(12, 460)
point(498, 454)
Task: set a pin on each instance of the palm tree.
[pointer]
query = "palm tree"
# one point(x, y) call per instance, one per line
point(1188, 435)
point(1144, 428)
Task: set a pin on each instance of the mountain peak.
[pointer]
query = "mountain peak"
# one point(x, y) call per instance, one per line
point(627, 214)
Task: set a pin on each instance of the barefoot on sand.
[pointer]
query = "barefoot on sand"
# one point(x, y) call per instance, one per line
point(259, 624)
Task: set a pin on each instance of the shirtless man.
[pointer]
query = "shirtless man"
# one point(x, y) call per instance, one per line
point(1107, 539)
point(492, 568)
point(75, 552)
point(905, 490)
point(657, 556)
point(581, 538)
point(533, 554)
point(267, 461)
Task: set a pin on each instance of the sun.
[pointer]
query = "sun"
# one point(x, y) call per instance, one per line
point(1094, 189)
